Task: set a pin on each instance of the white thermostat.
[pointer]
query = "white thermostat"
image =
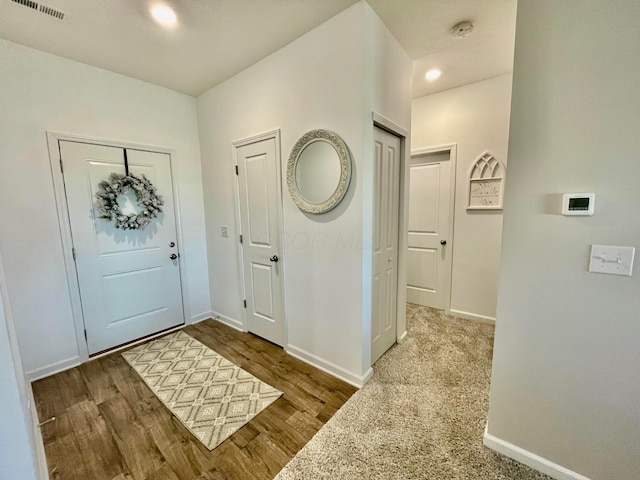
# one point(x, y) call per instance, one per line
point(578, 203)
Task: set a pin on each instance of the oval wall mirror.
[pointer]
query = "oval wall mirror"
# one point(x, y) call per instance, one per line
point(318, 171)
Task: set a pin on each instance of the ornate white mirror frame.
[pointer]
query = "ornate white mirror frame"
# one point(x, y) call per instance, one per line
point(344, 157)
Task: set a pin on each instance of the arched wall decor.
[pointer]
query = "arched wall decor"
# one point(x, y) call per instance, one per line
point(486, 183)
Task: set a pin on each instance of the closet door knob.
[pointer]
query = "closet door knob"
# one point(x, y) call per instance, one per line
point(443, 242)
point(173, 256)
point(274, 258)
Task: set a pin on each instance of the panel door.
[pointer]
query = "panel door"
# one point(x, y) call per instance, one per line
point(428, 258)
point(385, 242)
point(129, 286)
point(259, 217)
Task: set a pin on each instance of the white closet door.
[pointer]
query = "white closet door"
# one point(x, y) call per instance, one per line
point(129, 284)
point(385, 238)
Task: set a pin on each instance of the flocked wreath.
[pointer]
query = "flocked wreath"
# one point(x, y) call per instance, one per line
point(118, 184)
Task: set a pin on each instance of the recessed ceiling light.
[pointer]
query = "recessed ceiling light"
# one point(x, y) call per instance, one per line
point(433, 74)
point(164, 14)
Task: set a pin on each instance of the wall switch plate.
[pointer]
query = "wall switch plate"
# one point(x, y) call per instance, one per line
point(224, 231)
point(612, 259)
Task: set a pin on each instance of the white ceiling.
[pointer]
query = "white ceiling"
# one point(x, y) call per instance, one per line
point(423, 28)
point(215, 39)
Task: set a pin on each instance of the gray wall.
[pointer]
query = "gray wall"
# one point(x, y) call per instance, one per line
point(566, 376)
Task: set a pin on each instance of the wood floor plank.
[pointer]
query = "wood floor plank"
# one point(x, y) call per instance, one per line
point(171, 438)
point(46, 395)
point(99, 451)
point(165, 473)
point(71, 387)
point(98, 381)
point(264, 451)
point(135, 445)
point(110, 425)
point(305, 423)
point(234, 463)
point(327, 412)
point(245, 435)
point(58, 428)
point(64, 460)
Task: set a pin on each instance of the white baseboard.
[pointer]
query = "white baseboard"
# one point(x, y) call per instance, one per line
point(53, 368)
point(531, 459)
point(328, 367)
point(472, 316)
point(200, 317)
point(402, 337)
point(41, 458)
point(228, 321)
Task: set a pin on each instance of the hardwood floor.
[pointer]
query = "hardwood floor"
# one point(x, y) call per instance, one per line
point(110, 426)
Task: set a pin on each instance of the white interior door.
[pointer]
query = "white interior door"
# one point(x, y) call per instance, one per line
point(129, 286)
point(259, 217)
point(385, 241)
point(429, 255)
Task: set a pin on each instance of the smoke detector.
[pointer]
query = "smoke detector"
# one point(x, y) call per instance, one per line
point(462, 29)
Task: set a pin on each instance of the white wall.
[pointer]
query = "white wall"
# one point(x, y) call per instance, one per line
point(387, 87)
point(476, 118)
point(315, 82)
point(17, 443)
point(42, 92)
point(566, 382)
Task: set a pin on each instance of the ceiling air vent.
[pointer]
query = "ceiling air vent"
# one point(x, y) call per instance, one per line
point(52, 12)
point(27, 3)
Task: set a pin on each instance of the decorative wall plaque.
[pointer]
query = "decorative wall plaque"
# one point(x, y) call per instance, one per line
point(486, 183)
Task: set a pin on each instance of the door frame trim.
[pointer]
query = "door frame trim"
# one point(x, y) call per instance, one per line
point(384, 123)
point(452, 148)
point(276, 136)
point(66, 237)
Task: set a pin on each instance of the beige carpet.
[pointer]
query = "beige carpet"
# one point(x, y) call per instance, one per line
point(421, 416)
point(211, 396)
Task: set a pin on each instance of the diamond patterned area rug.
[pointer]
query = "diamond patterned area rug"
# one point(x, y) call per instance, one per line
point(211, 396)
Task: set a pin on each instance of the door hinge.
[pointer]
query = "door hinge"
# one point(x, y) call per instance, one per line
point(245, 304)
point(61, 169)
point(73, 252)
point(237, 173)
point(240, 238)
point(85, 335)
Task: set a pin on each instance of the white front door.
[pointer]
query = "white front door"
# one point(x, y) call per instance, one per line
point(385, 242)
point(258, 174)
point(129, 284)
point(429, 255)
